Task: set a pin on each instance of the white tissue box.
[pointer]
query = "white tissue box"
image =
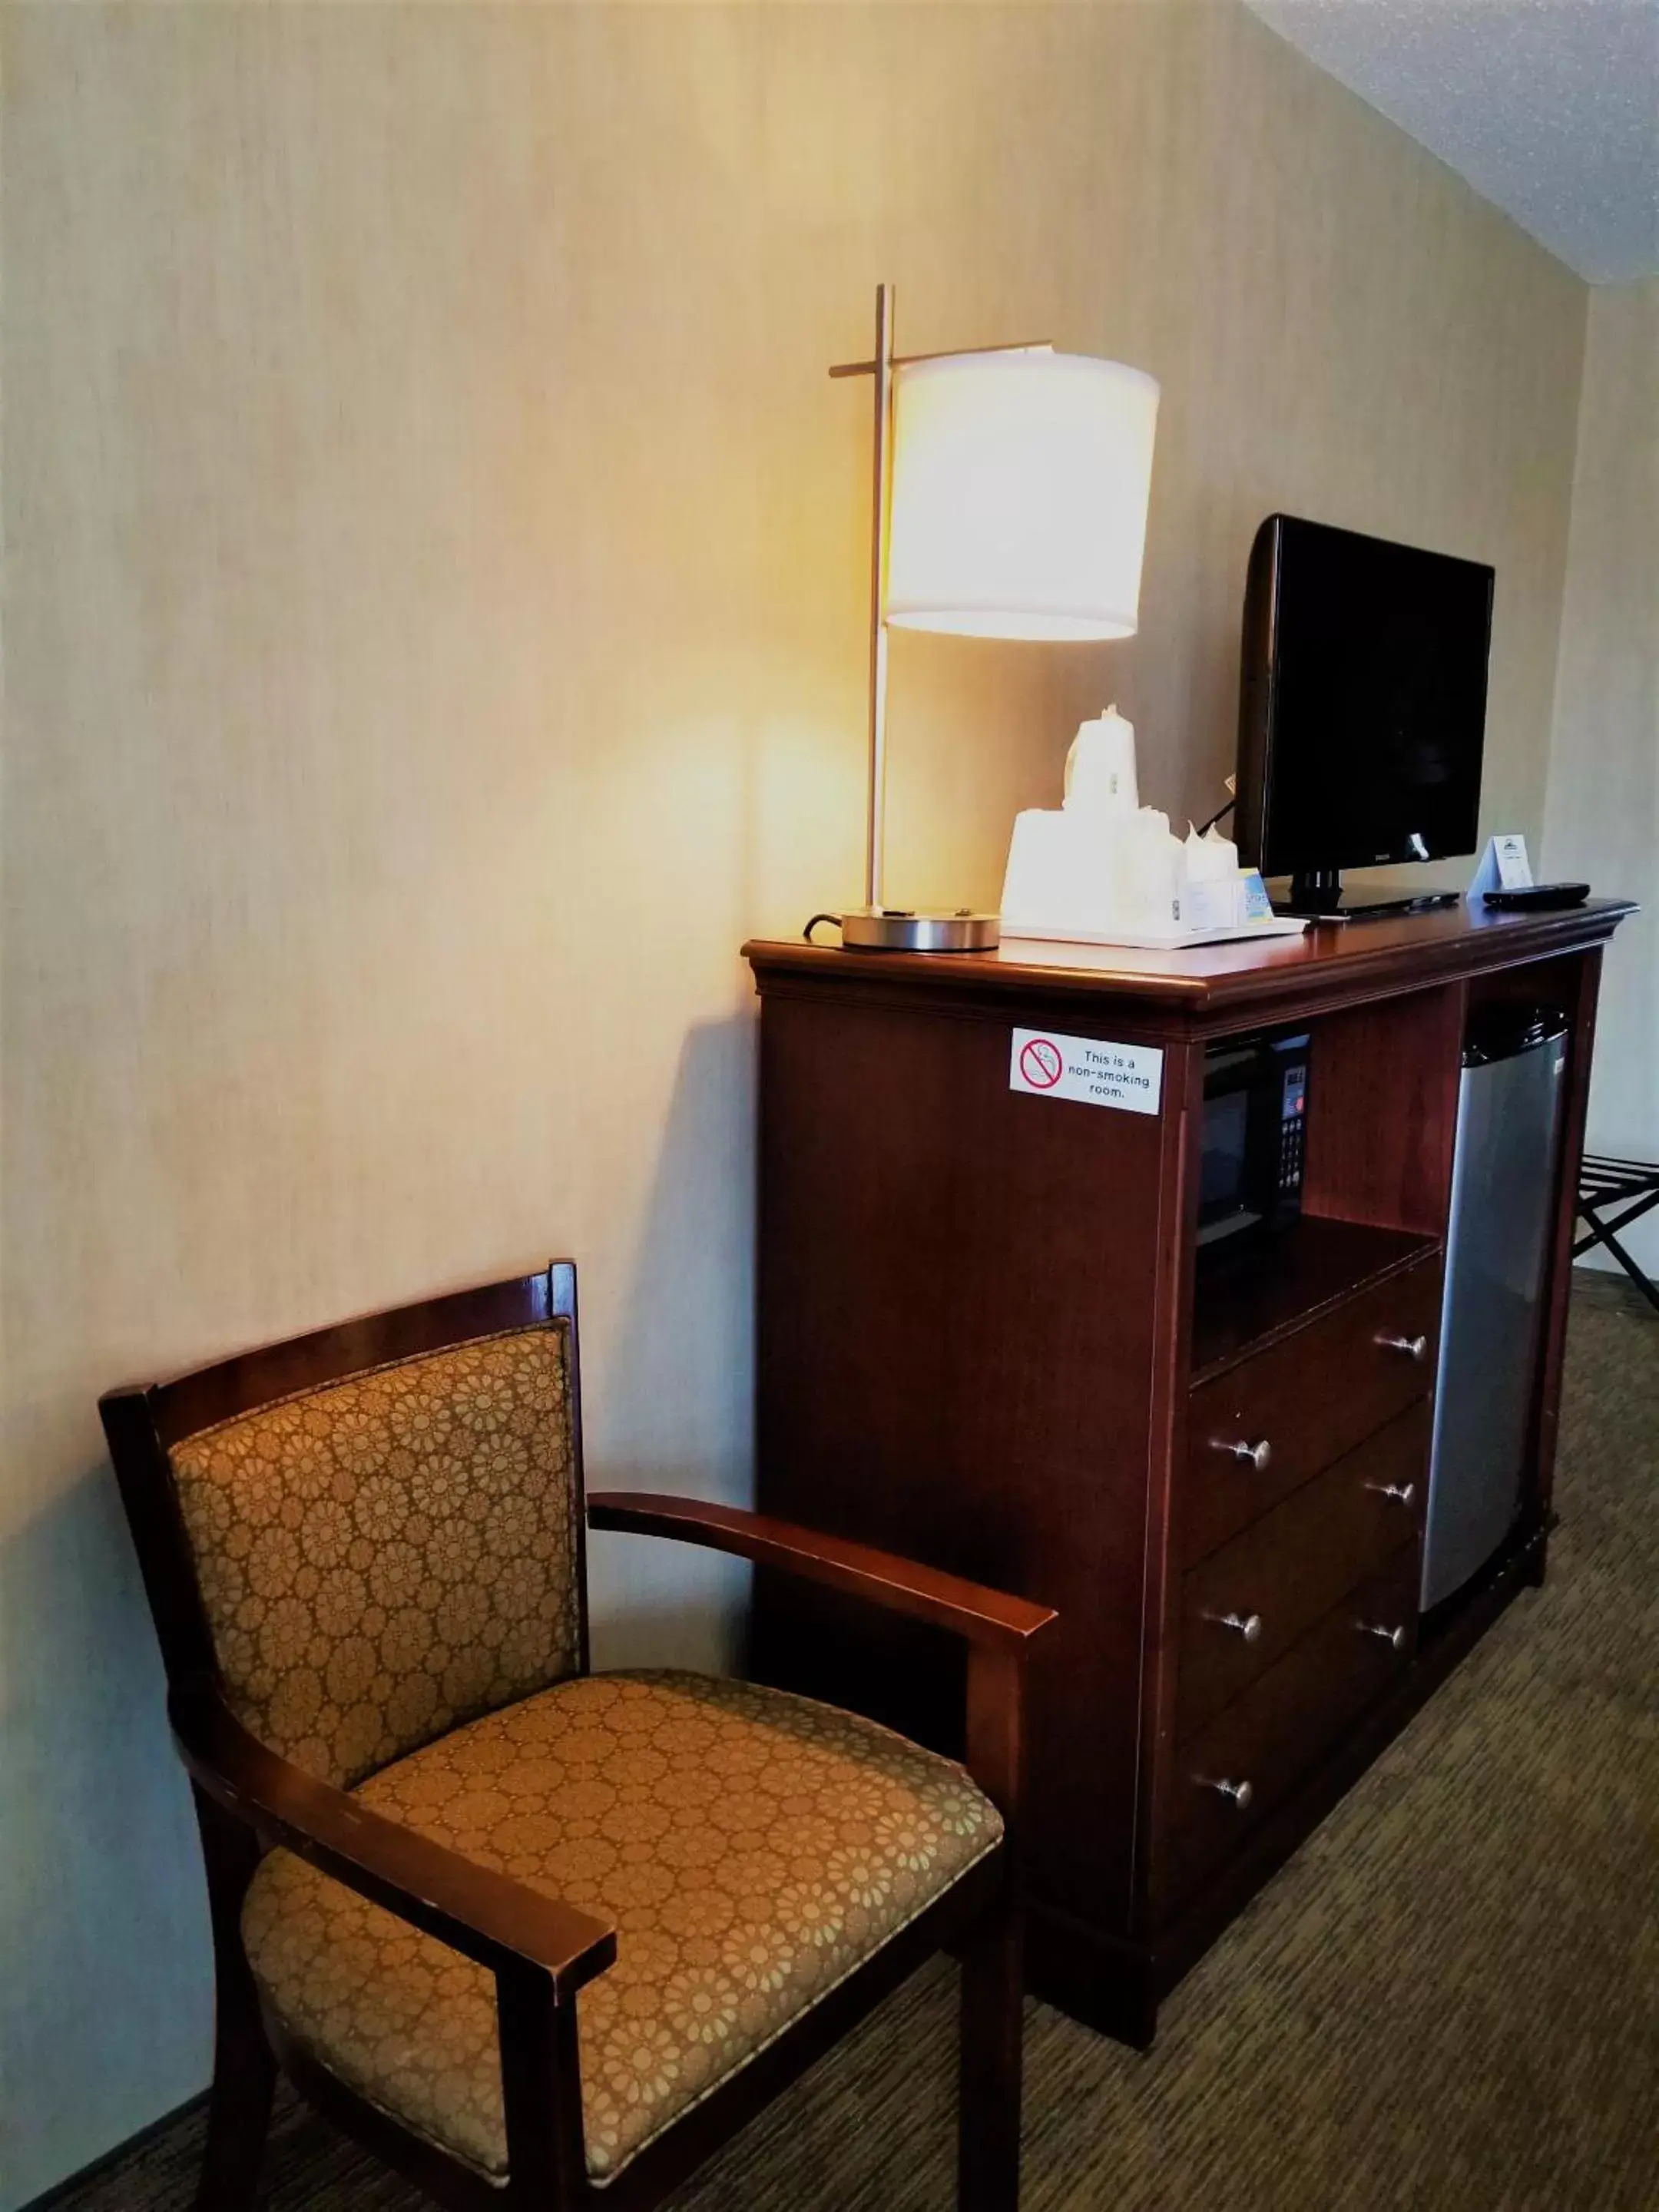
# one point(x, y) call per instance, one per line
point(1093, 879)
point(1064, 871)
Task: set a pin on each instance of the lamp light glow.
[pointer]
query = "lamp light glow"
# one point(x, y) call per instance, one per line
point(1019, 495)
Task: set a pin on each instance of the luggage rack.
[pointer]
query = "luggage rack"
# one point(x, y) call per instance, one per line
point(1605, 1182)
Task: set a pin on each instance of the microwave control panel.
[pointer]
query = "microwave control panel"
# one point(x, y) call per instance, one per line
point(1292, 1126)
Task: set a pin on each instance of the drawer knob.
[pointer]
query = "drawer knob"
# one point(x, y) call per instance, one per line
point(1247, 1624)
point(1403, 1492)
point(1414, 1348)
point(1259, 1455)
point(1394, 1638)
point(1239, 1792)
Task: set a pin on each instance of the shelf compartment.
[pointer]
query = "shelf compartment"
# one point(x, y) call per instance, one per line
point(1246, 1300)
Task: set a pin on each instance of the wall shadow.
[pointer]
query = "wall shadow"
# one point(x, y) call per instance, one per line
point(668, 1370)
point(103, 1911)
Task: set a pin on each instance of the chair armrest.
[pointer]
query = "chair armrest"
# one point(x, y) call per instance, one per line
point(967, 1609)
point(489, 1916)
point(998, 1629)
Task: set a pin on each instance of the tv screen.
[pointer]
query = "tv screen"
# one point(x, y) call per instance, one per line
point(1363, 700)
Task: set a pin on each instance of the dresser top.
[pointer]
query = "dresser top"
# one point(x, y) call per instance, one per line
point(1327, 964)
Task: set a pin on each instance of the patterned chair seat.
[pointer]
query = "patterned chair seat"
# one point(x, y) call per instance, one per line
point(753, 1849)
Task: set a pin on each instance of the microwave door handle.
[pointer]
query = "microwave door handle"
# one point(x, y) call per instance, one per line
point(1242, 1218)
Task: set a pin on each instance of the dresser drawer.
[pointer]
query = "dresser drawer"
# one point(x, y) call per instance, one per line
point(1262, 1744)
point(1254, 1597)
point(1308, 1399)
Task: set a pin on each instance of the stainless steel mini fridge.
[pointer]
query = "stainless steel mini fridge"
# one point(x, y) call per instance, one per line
point(1509, 1112)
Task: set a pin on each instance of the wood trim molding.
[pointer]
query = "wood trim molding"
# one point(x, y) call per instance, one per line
point(1215, 986)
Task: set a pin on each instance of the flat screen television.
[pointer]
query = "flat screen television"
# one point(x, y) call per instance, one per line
point(1361, 707)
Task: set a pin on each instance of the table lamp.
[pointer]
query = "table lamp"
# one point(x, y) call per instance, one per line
point(1009, 499)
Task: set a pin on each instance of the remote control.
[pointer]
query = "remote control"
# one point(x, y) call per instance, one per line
point(1536, 897)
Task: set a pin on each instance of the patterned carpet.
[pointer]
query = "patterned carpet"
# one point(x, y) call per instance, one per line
point(1447, 2002)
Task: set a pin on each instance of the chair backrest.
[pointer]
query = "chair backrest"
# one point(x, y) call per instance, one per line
point(371, 1534)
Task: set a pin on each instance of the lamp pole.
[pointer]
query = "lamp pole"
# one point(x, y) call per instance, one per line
point(880, 512)
point(873, 927)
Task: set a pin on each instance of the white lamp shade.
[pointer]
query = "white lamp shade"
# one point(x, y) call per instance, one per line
point(1020, 482)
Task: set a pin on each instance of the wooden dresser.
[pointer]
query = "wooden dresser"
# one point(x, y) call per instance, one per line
point(985, 1339)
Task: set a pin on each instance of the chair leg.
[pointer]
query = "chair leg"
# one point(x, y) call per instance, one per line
point(987, 2172)
point(243, 2070)
point(238, 2114)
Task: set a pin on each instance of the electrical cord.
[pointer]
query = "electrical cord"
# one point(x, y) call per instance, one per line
point(816, 919)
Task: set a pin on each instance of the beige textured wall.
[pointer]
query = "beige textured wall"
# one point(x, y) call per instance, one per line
point(1602, 817)
point(434, 604)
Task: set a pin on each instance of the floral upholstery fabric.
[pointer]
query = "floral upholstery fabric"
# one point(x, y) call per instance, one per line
point(393, 1554)
point(753, 1848)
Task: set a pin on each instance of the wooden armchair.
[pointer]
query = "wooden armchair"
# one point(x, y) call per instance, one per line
point(535, 1936)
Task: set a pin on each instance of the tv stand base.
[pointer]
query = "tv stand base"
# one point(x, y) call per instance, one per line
point(1316, 895)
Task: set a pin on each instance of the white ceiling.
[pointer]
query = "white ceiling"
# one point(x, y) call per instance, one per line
point(1548, 107)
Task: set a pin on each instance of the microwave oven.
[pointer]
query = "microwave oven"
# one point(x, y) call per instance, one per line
point(1256, 1103)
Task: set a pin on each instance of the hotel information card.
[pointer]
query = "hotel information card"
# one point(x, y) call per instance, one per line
point(1503, 866)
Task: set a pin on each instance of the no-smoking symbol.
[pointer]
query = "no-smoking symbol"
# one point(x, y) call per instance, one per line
point(1041, 1064)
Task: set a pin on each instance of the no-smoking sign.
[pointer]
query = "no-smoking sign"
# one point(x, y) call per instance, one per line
point(1093, 1070)
point(1042, 1063)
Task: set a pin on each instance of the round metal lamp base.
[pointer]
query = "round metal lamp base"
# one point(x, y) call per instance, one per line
point(899, 929)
